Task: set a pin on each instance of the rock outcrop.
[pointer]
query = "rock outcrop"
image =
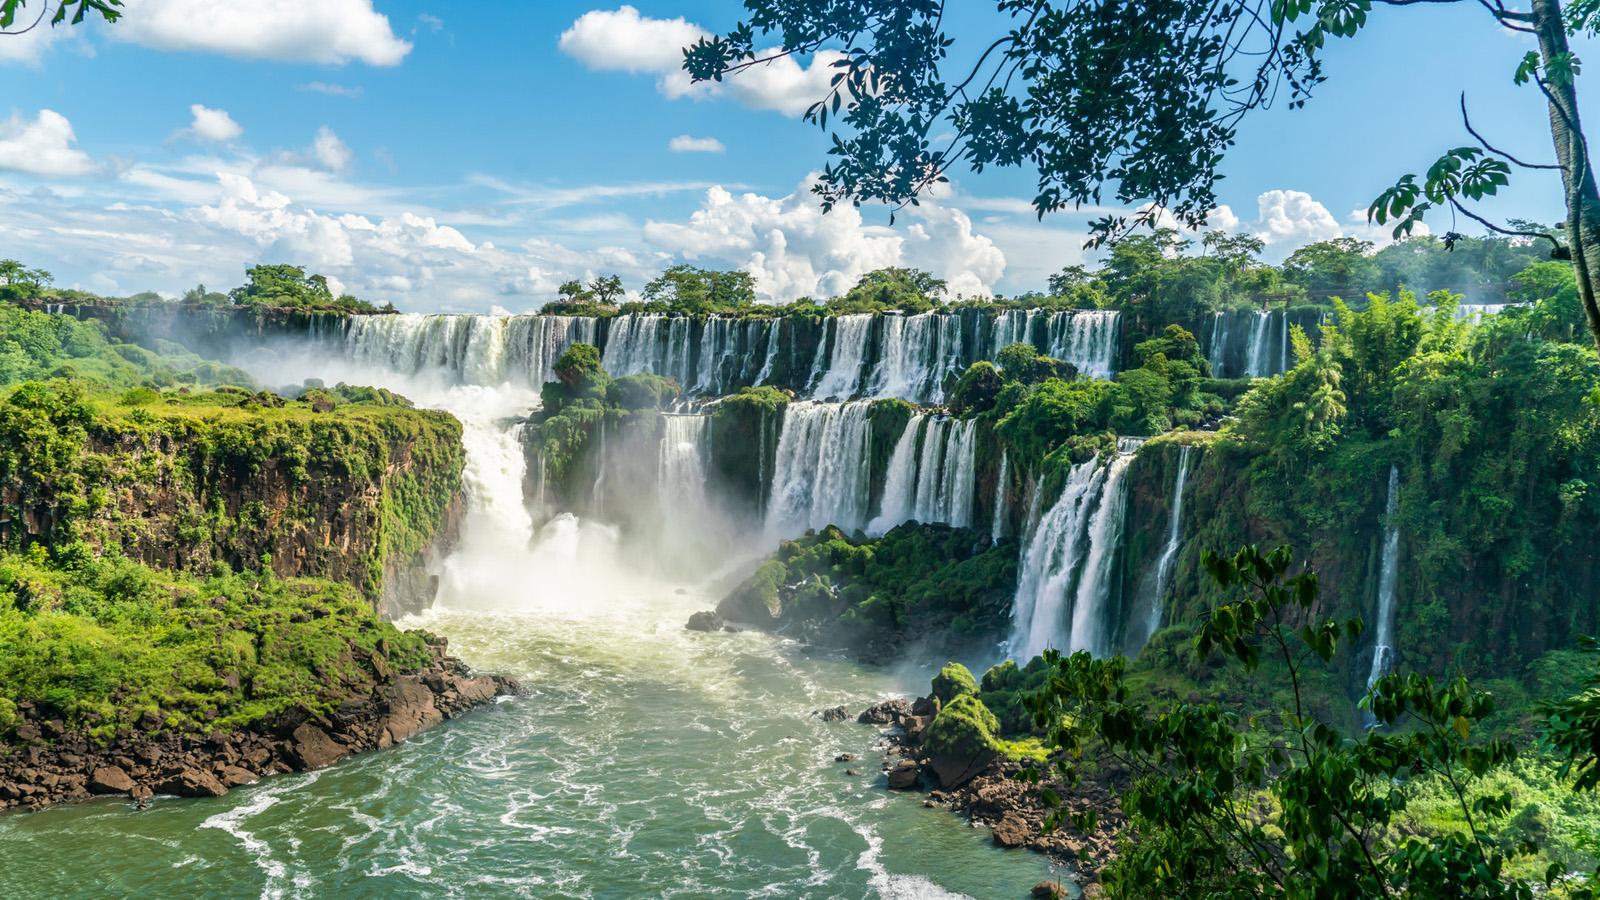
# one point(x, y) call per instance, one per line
point(49, 764)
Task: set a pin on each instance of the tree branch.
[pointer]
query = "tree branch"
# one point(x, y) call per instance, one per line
point(1510, 232)
point(1492, 148)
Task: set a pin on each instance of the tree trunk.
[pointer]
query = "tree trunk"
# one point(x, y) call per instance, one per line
point(1572, 153)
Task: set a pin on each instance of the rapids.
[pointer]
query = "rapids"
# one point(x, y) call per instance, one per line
point(645, 760)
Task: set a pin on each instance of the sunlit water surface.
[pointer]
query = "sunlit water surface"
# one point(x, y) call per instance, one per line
point(645, 761)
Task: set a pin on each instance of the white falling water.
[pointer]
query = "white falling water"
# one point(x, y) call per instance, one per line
point(935, 484)
point(1002, 498)
point(771, 356)
point(842, 378)
point(1388, 584)
point(1090, 610)
point(686, 512)
point(819, 474)
point(905, 365)
point(1168, 560)
point(631, 344)
point(1087, 338)
point(1255, 362)
point(1219, 344)
point(1014, 326)
point(1050, 562)
point(900, 483)
point(479, 350)
point(1065, 589)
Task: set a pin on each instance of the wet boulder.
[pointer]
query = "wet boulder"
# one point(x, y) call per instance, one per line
point(889, 712)
point(706, 621)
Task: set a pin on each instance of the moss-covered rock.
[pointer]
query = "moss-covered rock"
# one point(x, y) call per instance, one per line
point(964, 729)
point(954, 680)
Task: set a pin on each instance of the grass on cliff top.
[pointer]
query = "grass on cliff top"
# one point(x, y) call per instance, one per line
point(98, 643)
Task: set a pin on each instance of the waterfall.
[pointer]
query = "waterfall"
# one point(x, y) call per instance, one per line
point(631, 344)
point(1087, 338)
point(936, 484)
point(1049, 562)
point(842, 379)
point(1014, 326)
point(1090, 629)
point(905, 363)
point(900, 485)
point(599, 491)
point(1388, 583)
point(1219, 344)
point(1071, 553)
point(1255, 364)
point(1002, 498)
point(819, 475)
point(682, 473)
point(481, 350)
point(772, 351)
point(1168, 560)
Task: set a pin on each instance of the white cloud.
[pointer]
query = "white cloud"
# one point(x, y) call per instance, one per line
point(316, 31)
point(43, 147)
point(213, 125)
point(626, 41)
point(686, 144)
point(793, 249)
point(29, 47)
point(1293, 219)
point(333, 90)
point(333, 153)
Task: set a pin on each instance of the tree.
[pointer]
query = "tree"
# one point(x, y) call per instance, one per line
point(1228, 806)
point(289, 287)
point(18, 282)
point(77, 9)
point(692, 290)
point(1342, 264)
point(606, 288)
point(1143, 99)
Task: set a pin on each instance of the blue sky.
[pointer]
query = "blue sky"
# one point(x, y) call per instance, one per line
point(464, 157)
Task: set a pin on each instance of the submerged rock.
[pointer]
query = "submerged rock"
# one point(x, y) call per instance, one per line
point(707, 621)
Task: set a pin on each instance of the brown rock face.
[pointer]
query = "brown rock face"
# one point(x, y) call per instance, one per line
point(411, 710)
point(233, 776)
point(188, 782)
point(904, 777)
point(110, 780)
point(311, 748)
point(1013, 831)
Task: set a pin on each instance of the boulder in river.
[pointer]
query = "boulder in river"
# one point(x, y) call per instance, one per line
point(706, 620)
point(833, 714)
point(1049, 890)
point(889, 712)
point(904, 777)
point(110, 780)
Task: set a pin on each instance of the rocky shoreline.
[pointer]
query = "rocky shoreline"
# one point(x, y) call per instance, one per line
point(44, 763)
point(983, 789)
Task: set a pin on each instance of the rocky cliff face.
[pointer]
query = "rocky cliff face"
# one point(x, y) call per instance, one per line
point(363, 495)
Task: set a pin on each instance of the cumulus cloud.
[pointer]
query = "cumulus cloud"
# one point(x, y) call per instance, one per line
point(1288, 220)
point(43, 147)
point(626, 41)
point(213, 125)
point(315, 31)
point(793, 249)
point(333, 153)
point(686, 144)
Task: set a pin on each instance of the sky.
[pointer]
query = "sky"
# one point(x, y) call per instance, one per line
point(472, 157)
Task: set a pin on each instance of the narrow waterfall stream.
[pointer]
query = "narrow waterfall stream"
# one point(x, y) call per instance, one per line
point(1388, 583)
point(1155, 598)
point(645, 760)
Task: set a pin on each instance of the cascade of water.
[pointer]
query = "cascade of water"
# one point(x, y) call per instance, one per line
point(1014, 326)
point(1087, 338)
point(819, 475)
point(1219, 344)
point(1388, 583)
point(1168, 560)
point(1002, 498)
point(1050, 559)
point(900, 485)
point(715, 337)
point(1255, 363)
point(843, 376)
point(929, 505)
point(771, 355)
point(682, 472)
point(960, 470)
point(480, 350)
point(1090, 610)
point(632, 344)
point(951, 349)
point(677, 356)
point(904, 367)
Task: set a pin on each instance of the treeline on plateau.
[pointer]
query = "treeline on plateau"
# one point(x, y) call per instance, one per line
point(266, 286)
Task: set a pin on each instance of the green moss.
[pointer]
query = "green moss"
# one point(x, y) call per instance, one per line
point(964, 728)
point(954, 680)
point(103, 641)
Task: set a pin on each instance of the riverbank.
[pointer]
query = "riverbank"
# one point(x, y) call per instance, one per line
point(45, 763)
